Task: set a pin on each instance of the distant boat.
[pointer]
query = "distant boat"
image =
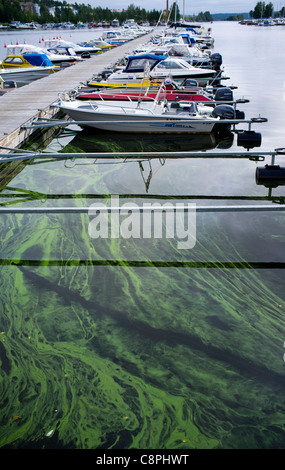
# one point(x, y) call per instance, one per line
point(100, 44)
point(78, 48)
point(18, 25)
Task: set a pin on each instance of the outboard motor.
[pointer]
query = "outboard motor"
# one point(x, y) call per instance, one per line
point(190, 83)
point(224, 94)
point(223, 111)
point(216, 59)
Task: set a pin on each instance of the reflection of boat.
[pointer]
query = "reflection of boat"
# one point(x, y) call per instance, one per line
point(160, 68)
point(146, 117)
point(85, 141)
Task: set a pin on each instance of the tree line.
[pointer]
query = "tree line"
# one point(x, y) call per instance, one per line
point(263, 10)
point(74, 13)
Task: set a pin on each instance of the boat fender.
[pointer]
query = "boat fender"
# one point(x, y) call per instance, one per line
point(64, 65)
point(270, 176)
point(10, 84)
point(106, 73)
point(85, 55)
point(249, 139)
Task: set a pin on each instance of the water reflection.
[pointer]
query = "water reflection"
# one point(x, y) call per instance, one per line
point(104, 141)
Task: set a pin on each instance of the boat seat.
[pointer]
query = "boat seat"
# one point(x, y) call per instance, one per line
point(190, 108)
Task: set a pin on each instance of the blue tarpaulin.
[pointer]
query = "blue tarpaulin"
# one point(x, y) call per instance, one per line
point(38, 60)
point(137, 63)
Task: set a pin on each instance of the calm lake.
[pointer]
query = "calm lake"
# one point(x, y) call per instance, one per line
point(137, 343)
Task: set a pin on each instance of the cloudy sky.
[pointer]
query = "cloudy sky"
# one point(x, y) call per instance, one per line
point(189, 6)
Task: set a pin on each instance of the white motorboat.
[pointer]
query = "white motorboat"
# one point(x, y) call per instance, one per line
point(114, 37)
point(54, 56)
point(192, 55)
point(78, 48)
point(100, 44)
point(145, 117)
point(25, 68)
point(24, 75)
point(160, 68)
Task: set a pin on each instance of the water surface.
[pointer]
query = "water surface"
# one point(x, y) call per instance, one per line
point(132, 342)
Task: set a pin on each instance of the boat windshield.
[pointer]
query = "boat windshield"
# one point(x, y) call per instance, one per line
point(169, 64)
point(13, 60)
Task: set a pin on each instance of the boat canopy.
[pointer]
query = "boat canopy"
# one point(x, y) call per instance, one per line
point(192, 30)
point(39, 60)
point(138, 63)
point(188, 39)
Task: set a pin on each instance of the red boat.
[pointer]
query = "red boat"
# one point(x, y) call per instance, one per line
point(170, 93)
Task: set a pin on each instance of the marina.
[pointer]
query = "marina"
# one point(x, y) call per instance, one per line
point(142, 301)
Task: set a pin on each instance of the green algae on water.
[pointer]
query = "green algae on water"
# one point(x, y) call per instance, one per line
point(133, 343)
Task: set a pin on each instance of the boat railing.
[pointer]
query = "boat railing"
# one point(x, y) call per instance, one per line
point(126, 97)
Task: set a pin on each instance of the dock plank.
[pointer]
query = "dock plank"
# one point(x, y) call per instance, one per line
point(20, 105)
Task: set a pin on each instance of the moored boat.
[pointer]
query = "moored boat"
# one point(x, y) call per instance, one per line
point(27, 67)
point(170, 92)
point(157, 117)
point(54, 55)
point(159, 68)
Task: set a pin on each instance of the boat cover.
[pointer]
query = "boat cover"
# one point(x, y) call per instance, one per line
point(187, 39)
point(39, 60)
point(192, 29)
point(138, 63)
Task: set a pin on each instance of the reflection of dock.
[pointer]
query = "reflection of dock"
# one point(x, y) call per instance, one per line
point(22, 195)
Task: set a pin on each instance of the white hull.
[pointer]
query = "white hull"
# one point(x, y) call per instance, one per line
point(25, 75)
point(135, 120)
point(202, 76)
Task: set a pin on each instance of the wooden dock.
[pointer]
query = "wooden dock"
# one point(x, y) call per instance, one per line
point(19, 106)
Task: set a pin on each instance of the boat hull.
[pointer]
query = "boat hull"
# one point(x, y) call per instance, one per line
point(23, 76)
point(136, 121)
point(202, 78)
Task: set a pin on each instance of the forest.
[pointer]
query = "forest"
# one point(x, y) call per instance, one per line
point(54, 11)
point(58, 12)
